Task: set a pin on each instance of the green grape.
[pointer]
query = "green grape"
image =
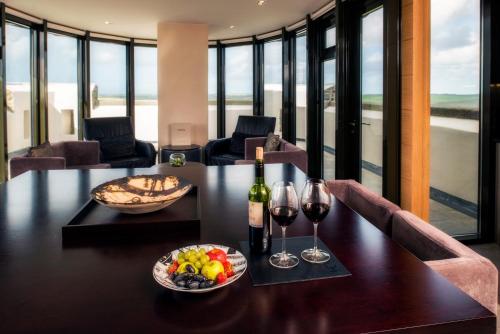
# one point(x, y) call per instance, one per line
point(181, 255)
point(204, 259)
point(198, 264)
point(181, 261)
point(188, 254)
point(192, 259)
point(202, 251)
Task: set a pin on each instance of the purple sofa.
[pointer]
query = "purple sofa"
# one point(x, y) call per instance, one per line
point(65, 155)
point(467, 270)
point(288, 153)
point(368, 204)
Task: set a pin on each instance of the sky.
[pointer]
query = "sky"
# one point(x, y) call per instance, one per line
point(455, 54)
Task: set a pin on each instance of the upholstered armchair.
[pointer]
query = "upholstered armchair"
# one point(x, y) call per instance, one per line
point(64, 155)
point(118, 145)
point(470, 272)
point(287, 153)
point(226, 151)
point(373, 207)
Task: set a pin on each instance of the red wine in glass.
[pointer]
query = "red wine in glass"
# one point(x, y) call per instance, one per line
point(315, 212)
point(284, 215)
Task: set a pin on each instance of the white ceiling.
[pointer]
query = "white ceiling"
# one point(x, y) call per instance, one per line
point(139, 18)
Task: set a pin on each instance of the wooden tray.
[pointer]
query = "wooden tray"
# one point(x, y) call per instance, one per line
point(95, 222)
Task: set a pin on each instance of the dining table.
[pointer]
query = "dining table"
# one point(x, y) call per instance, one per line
point(49, 286)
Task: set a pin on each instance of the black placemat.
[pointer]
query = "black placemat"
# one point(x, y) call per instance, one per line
point(263, 273)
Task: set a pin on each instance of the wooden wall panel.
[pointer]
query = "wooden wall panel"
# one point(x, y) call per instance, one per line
point(415, 105)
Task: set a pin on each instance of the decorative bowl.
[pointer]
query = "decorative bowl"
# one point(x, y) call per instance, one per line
point(237, 260)
point(177, 159)
point(141, 193)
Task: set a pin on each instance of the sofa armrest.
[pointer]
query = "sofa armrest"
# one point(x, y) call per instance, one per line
point(476, 276)
point(19, 165)
point(215, 147)
point(298, 158)
point(145, 149)
point(251, 144)
point(78, 153)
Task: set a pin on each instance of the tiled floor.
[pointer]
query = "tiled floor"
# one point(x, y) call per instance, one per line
point(492, 252)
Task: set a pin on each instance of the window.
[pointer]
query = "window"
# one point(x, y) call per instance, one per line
point(301, 89)
point(329, 118)
point(62, 77)
point(455, 114)
point(108, 79)
point(19, 90)
point(372, 86)
point(239, 84)
point(212, 93)
point(330, 37)
point(273, 86)
point(146, 93)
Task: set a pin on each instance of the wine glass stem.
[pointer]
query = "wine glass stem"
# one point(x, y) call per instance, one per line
point(283, 243)
point(315, 237)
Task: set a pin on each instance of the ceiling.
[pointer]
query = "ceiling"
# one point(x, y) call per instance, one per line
point(139, 18)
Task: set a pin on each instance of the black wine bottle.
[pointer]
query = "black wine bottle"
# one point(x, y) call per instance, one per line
point(259, 218)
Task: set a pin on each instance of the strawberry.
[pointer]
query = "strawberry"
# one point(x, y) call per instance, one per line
point(228, 269)
point(173, 267)
point(221, 278)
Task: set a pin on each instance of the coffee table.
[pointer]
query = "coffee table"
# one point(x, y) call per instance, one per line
point(48, 287)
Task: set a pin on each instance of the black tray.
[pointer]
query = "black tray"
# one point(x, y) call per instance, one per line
point(263, 273)
point(95, 222)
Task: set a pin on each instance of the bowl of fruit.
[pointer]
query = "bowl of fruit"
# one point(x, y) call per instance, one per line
point(199, 268)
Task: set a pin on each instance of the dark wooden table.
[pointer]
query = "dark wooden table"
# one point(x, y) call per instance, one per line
point(46, 287)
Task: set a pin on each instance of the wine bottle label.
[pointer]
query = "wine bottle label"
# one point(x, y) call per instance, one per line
point(255, 214)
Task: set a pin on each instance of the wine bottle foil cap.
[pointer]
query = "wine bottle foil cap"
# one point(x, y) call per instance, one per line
point(259, 153)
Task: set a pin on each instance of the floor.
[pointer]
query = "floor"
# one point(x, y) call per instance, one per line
point(492, 252)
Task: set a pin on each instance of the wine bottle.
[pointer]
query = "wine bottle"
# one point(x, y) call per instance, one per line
point(259, 218)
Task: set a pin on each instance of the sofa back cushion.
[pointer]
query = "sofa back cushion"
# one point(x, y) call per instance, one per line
point(373, 207)
point(424, 240)
point(41, 151)
point(115, 135)
point(237, 145)
point(255, 126)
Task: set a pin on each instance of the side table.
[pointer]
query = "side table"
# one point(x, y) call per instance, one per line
point(192, 152)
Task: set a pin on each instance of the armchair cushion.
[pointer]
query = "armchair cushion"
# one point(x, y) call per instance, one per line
point(42, 150)
point(237, 145)
point(118, 147)
point(145, 149)
point(272, 143)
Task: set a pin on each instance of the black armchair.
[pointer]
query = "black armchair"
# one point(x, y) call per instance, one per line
point(118, 146)
point(226, 151)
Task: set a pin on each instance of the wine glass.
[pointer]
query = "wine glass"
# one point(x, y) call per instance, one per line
point(315, 203)
point(284, 207)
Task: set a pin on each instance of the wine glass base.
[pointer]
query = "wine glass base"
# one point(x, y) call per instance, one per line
point(283, 262)
point(311, 256)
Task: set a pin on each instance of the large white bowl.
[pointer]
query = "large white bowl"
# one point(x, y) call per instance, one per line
point(125, 196)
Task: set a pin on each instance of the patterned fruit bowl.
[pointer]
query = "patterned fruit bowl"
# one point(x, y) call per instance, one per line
point(199, 268)
point(141, 193)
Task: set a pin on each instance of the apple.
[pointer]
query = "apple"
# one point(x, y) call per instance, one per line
point(217, 254)
point(211, 269)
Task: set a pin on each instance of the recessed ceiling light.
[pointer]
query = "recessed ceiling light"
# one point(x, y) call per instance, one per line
point(107, 22)
point(261, 2)
point(232, 27)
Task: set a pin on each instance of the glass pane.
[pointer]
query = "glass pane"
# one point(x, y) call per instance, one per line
point(329, 117)
point(239, 84)
point(18, 64)
point(273, 72)
point(212, 93)
point(301, 90)
point(330, 37)
point(372, 86)
point(454, 138)
point(62, 76)
point(108, 79)
point(146, 93)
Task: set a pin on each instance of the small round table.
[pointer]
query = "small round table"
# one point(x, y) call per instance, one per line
point(192, 152)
